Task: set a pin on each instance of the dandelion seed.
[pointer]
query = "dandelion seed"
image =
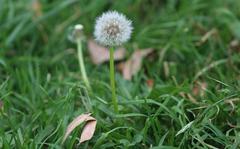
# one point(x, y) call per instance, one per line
point(112, 29)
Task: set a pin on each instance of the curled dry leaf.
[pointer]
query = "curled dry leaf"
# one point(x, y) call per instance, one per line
point(134, 64)
point(88, 129)
point(100, 54)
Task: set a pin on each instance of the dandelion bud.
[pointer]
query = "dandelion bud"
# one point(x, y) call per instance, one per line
point(112, 29)
point(76, 33)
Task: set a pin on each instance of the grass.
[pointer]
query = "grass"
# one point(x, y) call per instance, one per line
point(41, 88)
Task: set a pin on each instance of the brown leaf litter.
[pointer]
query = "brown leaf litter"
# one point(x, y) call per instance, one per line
point(88, 129)
point(100, 54)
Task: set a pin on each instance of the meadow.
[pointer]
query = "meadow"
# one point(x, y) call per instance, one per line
point(185, 94)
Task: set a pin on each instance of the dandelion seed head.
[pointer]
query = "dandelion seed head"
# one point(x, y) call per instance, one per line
point(112, 29)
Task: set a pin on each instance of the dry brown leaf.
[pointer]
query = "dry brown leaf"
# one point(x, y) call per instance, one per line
point(88, 129)
point(199, 88)
point(150, 83)
point(76, 122)
point(134, 64)
point(100, 54)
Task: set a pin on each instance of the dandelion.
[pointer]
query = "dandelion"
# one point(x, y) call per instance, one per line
point(77, 36)
point(112, 29)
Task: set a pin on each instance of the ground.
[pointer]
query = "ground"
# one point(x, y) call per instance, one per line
point(186, 95)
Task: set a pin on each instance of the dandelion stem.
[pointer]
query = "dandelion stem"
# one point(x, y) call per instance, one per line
point(112, 80)
point(81, 63)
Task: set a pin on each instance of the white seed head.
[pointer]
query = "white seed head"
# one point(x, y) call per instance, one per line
point(112, 29)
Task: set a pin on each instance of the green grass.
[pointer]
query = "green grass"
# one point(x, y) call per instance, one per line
point(42, 90)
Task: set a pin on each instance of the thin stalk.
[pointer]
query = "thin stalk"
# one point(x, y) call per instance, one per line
point(81, 64)
point(112, 80)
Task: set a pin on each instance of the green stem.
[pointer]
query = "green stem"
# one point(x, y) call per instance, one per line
point(112, 80)
point(81, 64)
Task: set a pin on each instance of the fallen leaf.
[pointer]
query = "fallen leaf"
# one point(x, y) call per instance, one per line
point(76, 122)
point(150, 83)
point(134, 64)
point(88, 129)
point(100, 54)
point(199, 88)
